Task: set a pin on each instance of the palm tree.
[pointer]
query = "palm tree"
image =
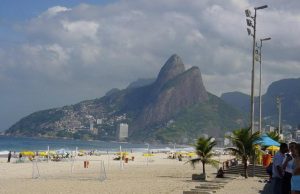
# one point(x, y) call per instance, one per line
point(204, 148)
point(244, 143)
point(274, 135)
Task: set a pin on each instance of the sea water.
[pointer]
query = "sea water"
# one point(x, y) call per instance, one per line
point(19, 144)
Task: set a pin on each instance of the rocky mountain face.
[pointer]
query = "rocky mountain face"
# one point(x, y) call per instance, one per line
point(173, 90)
point(287, 89)
point(176, 103)
point(141, 82)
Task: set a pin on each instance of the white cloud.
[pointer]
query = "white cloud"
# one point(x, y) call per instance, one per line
point(53, 11)
point(48, 60)
point(97, 48)
point(81, 29)
point(113, 38)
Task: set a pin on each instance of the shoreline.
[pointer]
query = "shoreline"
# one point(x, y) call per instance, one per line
point(38, 144)
point(95, 140)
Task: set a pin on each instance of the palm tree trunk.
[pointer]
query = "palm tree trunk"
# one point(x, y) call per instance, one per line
point(245, 168)
point(204, 173)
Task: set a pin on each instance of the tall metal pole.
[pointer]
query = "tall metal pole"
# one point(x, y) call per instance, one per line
point(121, 163)
point(252, 74)
point(260, 98)
point(148, 154)
point(249, 23)
point(260, 72)
point(278, 100)
point(279, 123)
point(48, 153)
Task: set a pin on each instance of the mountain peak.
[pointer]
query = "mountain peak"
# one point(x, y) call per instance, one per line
point(173, 67)
point(175, 107)
point(174, 59)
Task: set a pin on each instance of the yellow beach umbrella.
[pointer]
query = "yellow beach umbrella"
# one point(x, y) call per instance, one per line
point(191, 154)
point(148, 155)
point(28, 153)
point(123, 153)
point(52, 152)
point(273, 148)
point(43, 153)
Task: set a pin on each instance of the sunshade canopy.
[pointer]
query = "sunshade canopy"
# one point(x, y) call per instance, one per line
point(265, 140)
point(273, 148)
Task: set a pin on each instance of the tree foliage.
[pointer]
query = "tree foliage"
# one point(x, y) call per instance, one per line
point(244, 145)
point(204, 148)
point(274, 135)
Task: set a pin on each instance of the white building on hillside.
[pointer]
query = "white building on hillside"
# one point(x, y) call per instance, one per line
point(269, 128)
point(123, 131)
point(99, 121)
point(297, 135)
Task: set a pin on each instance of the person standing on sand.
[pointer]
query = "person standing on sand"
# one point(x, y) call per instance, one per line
point(288, 168)
point(295, 181)
point(277, 171)
point(9, 156)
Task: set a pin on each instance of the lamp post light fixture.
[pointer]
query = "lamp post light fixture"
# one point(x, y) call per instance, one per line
point(249, 20)
point(260, 72)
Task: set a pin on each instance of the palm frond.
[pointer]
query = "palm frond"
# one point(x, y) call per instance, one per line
point(203, 147)
point(244, 143)
point(214, 163)
point(193, 161)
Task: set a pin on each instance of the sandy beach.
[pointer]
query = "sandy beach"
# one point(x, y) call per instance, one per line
point(161, 175)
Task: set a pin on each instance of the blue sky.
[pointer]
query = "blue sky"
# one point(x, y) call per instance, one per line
point(55, 53)
point(13, 12)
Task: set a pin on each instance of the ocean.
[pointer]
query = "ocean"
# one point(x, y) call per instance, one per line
point(19, 144)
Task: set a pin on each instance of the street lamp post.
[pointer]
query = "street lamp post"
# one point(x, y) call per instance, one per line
point(260, 97)
point(278, 102)
point(249, 23)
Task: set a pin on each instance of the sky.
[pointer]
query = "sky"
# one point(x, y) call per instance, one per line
point(55, 53)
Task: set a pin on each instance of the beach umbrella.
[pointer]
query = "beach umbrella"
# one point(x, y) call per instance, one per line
point(43, 154)
point(191, 154)
point(273, 148)
point(28, 153)
point(52, 152)
point(122, 153)
point(148, 154)
point(265, 140)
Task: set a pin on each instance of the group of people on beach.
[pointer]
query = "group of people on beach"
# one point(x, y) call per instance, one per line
point(10, 155)
point(286, 169)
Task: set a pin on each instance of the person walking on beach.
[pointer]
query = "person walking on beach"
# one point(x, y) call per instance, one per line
point(288, 168)
point(295, 181)
point(9, 156)
point(277, 171)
